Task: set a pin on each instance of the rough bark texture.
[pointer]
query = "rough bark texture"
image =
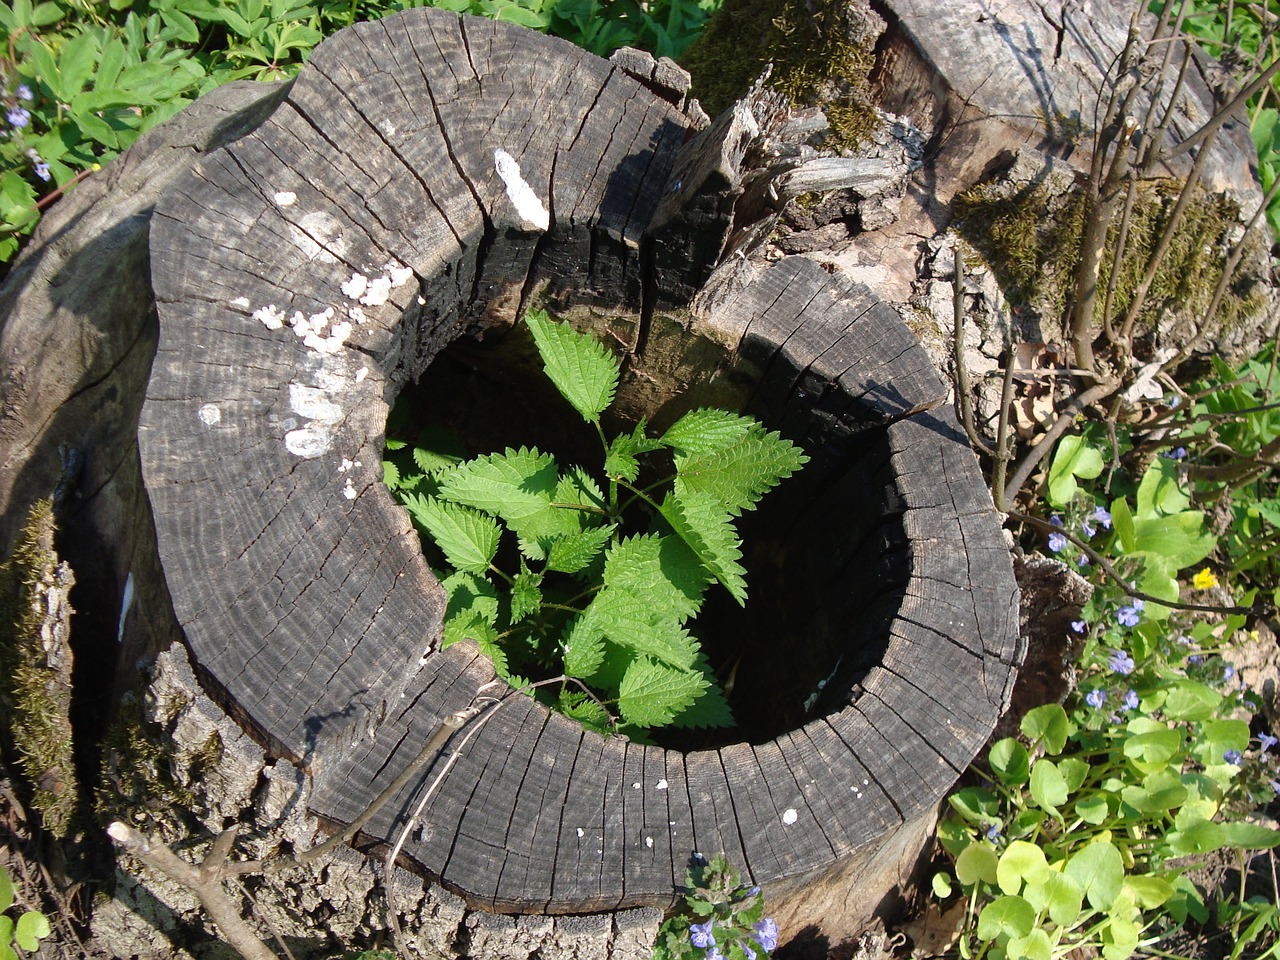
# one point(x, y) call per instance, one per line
point(299, 587)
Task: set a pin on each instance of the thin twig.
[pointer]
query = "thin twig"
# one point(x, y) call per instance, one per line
point(1003, 445)
point(1105, 566)
point(1098, 391)
point(962, 372)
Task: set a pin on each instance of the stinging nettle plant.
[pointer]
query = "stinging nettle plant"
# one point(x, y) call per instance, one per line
point(604, 572)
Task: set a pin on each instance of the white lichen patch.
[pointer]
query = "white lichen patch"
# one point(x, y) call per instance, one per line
point(789, 816)
point(521, 194)
point(355, 287)
point(661, 784)
point(648, 842)
point(271, 317)
point(209, 414)
point(313, 403)
point(242, 302)
point(285, 198)
point(349, 490)
point(309, 442)
point(377, 293)
point(581, 833)
point(356, 314)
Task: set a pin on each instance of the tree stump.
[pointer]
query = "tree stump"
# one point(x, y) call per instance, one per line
point(424, 179)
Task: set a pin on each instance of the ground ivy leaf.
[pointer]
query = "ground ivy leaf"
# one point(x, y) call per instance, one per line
point(468, 537)
point(702, 523)
point(651, 693)
point(583, 369)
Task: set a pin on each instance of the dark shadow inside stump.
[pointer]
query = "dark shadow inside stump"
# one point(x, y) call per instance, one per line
point(826, 556)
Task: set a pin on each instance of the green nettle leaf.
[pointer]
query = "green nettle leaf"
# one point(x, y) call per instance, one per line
point(652, 694)
point(1009, 760)
point(390, 475)
point(709, 708)
point(738, 475)
point(1011, 916)
point(576, 705)
point(622, 461)
point(575, 551)
point(662, 570)
point(1048, 725)
point(634, 621)
point(512, 484)
point(1073, 458)
point(472, 606)
point(1099, 870)
point(526, 595)
point(582, 368)
point(977, 862)
point(583, 649)
point(706, 430)
point(468, 537)
point(579, 488)
point(431, 461)
point(703, 524)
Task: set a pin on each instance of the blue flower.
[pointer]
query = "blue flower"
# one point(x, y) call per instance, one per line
point(24, 93)
point(1079, 626)
point(1103, 516)
point(1131, 700)
point(18, 117)
point(1267, 741)
point(713, 953)
point(1128, 615)
point(1082, 560)
point(700, 935)
point(1196, 659)
point(1233, 756)
point(1121, 663)
point(993, 832)
point(1275, 785)
point(42, 171)
point(1088, 528)
point(1178, 453)
point(746, 948)
point(1228, 672)
point(766, 934)
point(1175, 402)
point(1056, 520)
point(1057, 542)
point(1096, 698)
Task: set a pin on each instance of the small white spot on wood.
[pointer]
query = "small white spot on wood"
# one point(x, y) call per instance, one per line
point(126, 602)
point(209, 414)
point(241, 302)
point(309, 442)
point(345, 465)
point(356, 314)
point(648, 842)
point(789, 816)
point(397, 274)
point(348, 490)
point(378, 292)
point(285, 198)
point(271, 317)
point(581, 832)
point(635, 786)
point(661, 784)
point(522, 196)
point(387, 127)
point(422, 301)
point(356, 286)
point(361, 374)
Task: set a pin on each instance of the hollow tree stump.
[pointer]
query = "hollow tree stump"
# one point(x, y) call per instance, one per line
point(424, 178)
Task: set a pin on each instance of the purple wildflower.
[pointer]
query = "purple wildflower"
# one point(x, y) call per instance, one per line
point(1196, 659)
point(1228, 672)
point(43, 172)
point(1056, 520)
point(1103, 516)
point(1057, 542)
point(1267, 741)
point(992, 832)
point(1079, 626)
point(1082, 560)
point(18, 117)
point(24, 93)
point(1096, 698)
point(1128, 616)
point(700, 935)
point(1275, 785)
point(1088, 528)
point(1121, 663)
point(1175, 402)
point(1233, 757)
point(1178, 453)
point(1131, 700)
point(746, 948)
point(766, 934)
point(713, 953)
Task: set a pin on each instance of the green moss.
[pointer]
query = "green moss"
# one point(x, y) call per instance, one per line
point(138, 777)
point(1030, 236)
point(35, 663)
point(822, 53)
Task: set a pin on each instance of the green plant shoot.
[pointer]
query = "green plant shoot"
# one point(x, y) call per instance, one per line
point(597, 576)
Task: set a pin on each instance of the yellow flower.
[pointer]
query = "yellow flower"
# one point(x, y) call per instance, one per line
point(1204, 579)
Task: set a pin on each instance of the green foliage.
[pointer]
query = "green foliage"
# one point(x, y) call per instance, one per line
point(80, 82)
point(722, 916)
point(602, 578)
point(24, 933)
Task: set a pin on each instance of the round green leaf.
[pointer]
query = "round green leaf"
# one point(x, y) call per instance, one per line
point(1099, 870)
point(1092, 809)
point(1010, 761)
point(1149, 892)
point(1074, 771)
point(1034, 946)
point(1006, 915)
point(1057, 894)
point(941, 884)
point(1120, 939)
point(1189, 700)
point(1020, 863)
point(1249, 836)
point(1047, 725)
point(1048, 785)
point(32, 927)
point(976, 862)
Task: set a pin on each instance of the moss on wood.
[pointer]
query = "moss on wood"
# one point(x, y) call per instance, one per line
point(1030, 236)
point(822, 53)
point(35, 663)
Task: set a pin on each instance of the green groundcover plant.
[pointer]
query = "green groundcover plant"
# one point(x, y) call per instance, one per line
point(723, 918)
point(25, 932)
point(604, 572)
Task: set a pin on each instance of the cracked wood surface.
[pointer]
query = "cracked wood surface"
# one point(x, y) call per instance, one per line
point(301, 587)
